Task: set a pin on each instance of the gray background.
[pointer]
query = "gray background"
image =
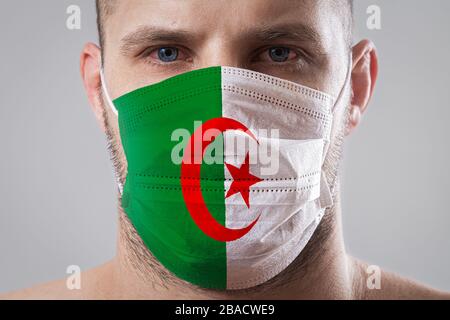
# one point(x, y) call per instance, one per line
point(57, 187)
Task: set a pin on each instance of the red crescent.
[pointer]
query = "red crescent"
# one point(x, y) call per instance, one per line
point(190, 182)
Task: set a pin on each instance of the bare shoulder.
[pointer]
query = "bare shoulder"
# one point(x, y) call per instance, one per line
point(395, 287)
point(91, 281)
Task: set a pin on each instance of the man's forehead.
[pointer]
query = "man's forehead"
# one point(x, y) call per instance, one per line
point(227, 17)
point(193, 8)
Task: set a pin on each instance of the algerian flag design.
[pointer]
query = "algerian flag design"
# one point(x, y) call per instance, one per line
point(210, 212)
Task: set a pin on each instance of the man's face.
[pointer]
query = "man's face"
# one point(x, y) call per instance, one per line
point(304, 41)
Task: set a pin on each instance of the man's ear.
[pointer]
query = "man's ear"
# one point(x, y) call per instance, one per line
point(90, 73)
point(364, 76)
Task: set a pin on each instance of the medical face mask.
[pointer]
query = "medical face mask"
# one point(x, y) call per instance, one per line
point(225, 183)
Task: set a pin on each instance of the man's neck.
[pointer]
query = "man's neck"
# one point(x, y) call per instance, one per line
point(328, 274)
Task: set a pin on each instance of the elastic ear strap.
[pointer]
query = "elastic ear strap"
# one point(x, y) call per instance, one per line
point(347, 81)
point(113, 108)
point(332, 187)
point(105, 92)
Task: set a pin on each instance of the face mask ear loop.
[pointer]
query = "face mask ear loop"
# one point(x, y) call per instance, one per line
point(332, 187)
point(346, 81)
point(111, 105)
point(339, 97)
point(105, 92)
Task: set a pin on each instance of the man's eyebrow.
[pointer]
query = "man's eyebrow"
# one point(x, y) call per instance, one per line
point(294, 32)
point(146, 35)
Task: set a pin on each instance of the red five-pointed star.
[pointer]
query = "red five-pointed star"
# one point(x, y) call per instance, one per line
point(242, 180)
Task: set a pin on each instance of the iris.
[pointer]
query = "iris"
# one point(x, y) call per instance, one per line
point(279, 54)
point(168, 54)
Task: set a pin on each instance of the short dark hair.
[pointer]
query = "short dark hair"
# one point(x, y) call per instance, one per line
point(106, 7)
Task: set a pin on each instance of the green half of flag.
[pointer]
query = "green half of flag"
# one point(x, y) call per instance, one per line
point(149, 119)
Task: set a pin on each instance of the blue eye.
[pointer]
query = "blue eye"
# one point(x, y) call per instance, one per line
point(279, 54)
point(168, 54)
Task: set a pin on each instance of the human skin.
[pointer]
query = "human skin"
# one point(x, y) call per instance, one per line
point(223, 32)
